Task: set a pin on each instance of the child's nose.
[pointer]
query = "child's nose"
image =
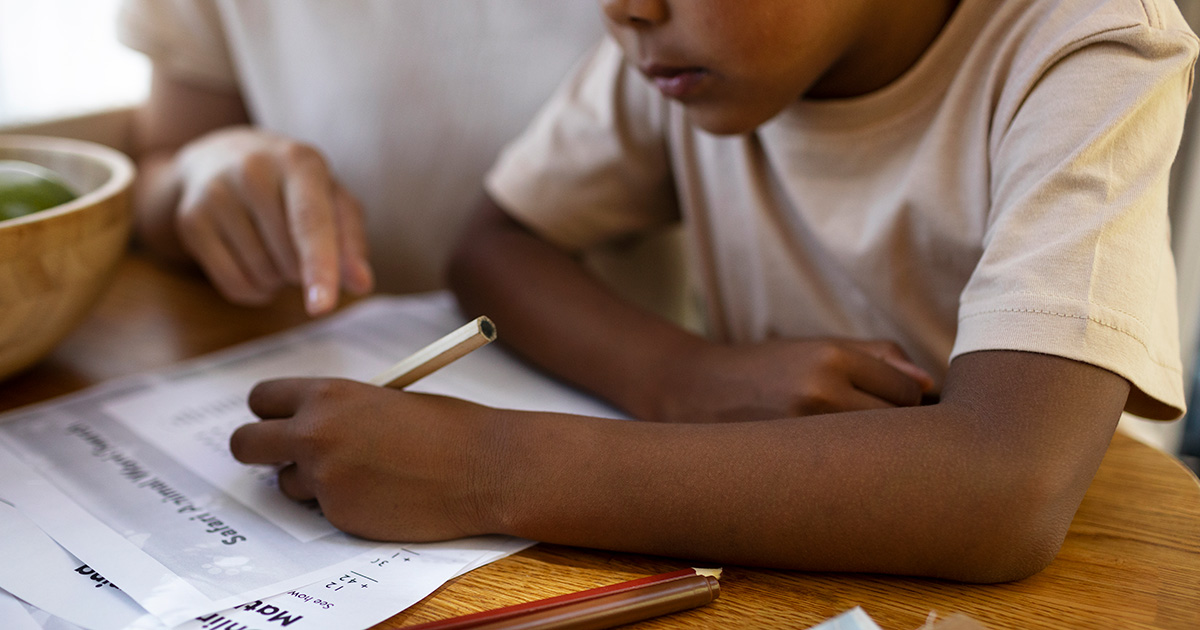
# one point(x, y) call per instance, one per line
point(635, 13)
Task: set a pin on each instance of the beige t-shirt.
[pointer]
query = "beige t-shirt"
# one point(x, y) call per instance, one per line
point(1008, 192)
point(410, 100)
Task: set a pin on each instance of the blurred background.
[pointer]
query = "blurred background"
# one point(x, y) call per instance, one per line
point(61, 58)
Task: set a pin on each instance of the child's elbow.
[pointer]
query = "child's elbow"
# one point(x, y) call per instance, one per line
point(1009, 563)
point(1021, 535)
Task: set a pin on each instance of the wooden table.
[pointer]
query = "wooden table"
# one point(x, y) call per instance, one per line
point(1130, 560)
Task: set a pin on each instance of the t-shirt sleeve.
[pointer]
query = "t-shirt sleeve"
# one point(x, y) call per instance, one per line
point(592, 168)
point(1077, 260)
point(181, 37)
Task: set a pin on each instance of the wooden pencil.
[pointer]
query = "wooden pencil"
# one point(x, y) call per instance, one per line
point(472, 335)
point(594, 609)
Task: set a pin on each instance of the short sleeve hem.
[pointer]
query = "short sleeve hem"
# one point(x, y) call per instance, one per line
point(1093, 335)
point(504, 184)
point(592, 169)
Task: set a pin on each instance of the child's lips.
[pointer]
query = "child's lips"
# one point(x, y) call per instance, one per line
point(674, 81)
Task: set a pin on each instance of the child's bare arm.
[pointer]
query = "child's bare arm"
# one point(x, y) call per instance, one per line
point(555, 313)
point(980, 487)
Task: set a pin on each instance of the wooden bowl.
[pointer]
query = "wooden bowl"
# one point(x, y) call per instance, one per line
point(55, 264)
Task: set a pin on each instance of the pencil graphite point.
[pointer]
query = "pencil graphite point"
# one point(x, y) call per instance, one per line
point(487, 328)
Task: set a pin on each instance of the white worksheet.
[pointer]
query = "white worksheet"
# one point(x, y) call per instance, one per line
point(146, 492)
point(83, 599)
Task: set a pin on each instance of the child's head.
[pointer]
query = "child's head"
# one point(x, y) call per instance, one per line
point(736, 64)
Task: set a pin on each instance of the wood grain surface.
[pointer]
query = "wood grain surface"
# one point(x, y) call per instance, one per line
point(1131, 558)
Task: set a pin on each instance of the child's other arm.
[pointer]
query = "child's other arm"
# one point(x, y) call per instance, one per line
point(979, 487)
point(559, 316)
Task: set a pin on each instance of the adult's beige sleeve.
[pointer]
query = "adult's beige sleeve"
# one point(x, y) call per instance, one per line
point(1076, 259)
point(181, 37)
point(593, 167)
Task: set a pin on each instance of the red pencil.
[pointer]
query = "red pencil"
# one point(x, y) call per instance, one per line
point(596, 608)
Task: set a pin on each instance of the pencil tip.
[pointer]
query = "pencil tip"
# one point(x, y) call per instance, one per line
point(487, 328)
point(716, 573)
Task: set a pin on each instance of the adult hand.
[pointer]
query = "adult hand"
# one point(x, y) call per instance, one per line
point(259, 211)
point(712, 382)
point(382, 464)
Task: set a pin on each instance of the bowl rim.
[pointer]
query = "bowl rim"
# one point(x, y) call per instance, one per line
point(122, 169)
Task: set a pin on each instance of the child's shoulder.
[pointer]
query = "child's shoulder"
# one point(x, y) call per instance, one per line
point(1080, 21)
point(1023, 40)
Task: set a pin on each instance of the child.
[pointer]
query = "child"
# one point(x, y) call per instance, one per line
point(984, 183)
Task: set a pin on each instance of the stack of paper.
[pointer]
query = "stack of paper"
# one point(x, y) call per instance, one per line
point(130, 484)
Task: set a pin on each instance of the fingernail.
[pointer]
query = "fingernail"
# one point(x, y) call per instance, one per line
point(318, 299)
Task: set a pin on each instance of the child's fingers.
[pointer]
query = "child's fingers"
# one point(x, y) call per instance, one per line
point(261, 443)
point(293, 485)
point(894, 356)
point(859, 400)
point(277, 398)
point(308, 199)
point(882, 379)
point(923, 379)
point(352, 239)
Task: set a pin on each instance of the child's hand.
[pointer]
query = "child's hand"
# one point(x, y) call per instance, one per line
point(258, 211)
point(786, 378)
point(383, 464)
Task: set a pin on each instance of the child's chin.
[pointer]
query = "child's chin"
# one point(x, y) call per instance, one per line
point(725, 121)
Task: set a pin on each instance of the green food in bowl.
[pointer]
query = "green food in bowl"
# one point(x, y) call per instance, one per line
point(26, 188)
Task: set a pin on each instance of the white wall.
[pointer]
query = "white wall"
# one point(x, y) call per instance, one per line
point(61, 58)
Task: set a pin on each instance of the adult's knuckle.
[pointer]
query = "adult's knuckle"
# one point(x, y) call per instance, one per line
point(300, 155)
point(258, 163)
point(217, 193)
point(256, 174)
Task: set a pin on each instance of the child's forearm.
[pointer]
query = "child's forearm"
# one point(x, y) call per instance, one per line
point(551, 310)
point(548, 308)
point(980, 488)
